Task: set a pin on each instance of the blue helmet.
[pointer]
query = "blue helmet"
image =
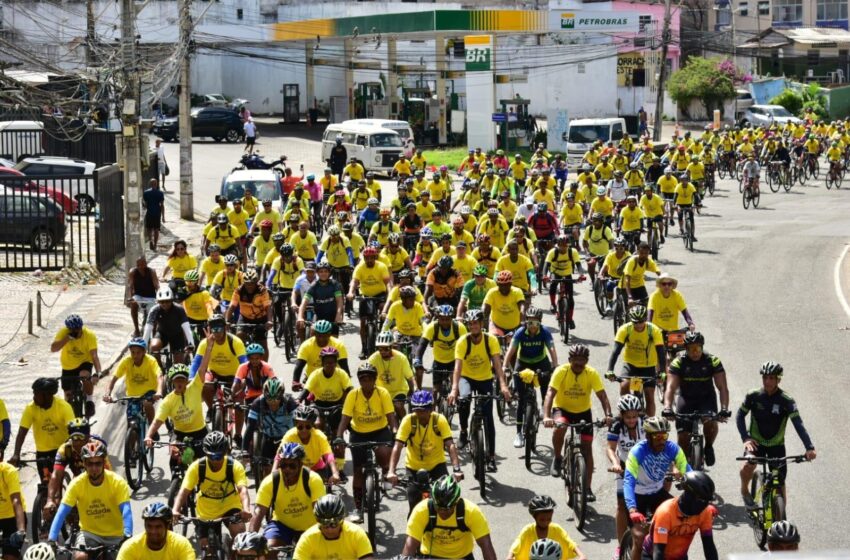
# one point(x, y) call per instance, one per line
point(322, 326)
point(445, 310)
point(74, 322)
point(139, 342)
point(311, 177)
point(291, 450)
point(422, 399)
point(254, 348)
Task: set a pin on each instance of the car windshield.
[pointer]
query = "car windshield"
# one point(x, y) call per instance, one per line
point(260, 189)
point(385, 141)
point(779, 112)
point(585, 134)
point(403, 132)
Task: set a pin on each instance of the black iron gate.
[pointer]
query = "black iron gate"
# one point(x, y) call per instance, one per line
point(110, 227)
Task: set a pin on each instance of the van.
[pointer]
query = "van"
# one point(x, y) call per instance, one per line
point(378, 148)
point(20, 139)
point(401, 127)
point(582, 133)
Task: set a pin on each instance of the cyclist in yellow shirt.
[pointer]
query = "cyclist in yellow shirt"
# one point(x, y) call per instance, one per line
point(631, 220)
point(158, 539)
point(333, 536)
point(261, 246)
point(609, 271)
point(418, 160)
point(603, 204)
point(305, 243)
point(686, 197)
point(518, 265)
point(605, 171)
point(329, 183)
point(228, 353)
point(644, 355)
point(633, 282)
point(519, 170)
point(652, 206)
point(542, 529)
point(425, 208)
point(394, 371)
point(373, 279)
point(834, 156)
point(48, 417)
point(239, 217)
point(142, 374)
point(354, 170)
point(77, 347)
point(402, 168)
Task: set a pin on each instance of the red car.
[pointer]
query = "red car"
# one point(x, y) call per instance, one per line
point(68, 204)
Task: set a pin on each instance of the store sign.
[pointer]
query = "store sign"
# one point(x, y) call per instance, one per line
point(571, 20)
point(627, 63)
point(479, 53)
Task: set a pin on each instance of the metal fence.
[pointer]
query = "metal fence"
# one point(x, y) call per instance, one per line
point(110, 226)
point(97, 146)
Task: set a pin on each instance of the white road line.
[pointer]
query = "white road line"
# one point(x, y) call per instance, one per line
point(837, 279)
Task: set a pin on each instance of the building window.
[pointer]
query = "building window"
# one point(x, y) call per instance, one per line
point(743, 9)
point(787, 11)
point(239, 13)
point(643, 21)
point(764, 7)
point(812, 57)
point(832, 9)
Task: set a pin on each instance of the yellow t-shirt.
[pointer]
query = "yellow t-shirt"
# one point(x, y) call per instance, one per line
point(665, 311)
point(373, 281)
point(571, 216)
point(631, 218)
point(78, 350)
point(240, 220)
point(199, 305)
point(309, 352)
point(612, 261)
point(352, 543)
point(273, 216)
point(98, 505)
point(407, 321)
point(217, 495)
point(402, 167)
point(667, 184)
point(395, 295)
point(328, 389)
point(561, 264)
point(445, 541)
point(393, 374)
point(574, 391)
point(181, 265)
point(304, 246)
point(139, 379)
point(476, 365)
point(210, 269)
point(465, 265)
point(50, 425)
point(355, 171)
point(336, 253)
point(518, 169)
point(489, 261)
point(521, 547)
point(519, 269)
point(223, 361)
point(224, 238)
point(604, 206)
point(444, 343)
point(504, 309)
point(177, 547)
point(314, 450)
point(261, 249)
point(636, 272)
point(425, 211)
point(425, 442)
point(292, 506)
point(640, 349)
point(598, 240)
point(286, 273)
point(396, 259)
point(368, 415)
point(4, 415)
point(186, 411)
point(685, 193)
point(357, 243)
point(497, 230)
point(228, 283)
point(651, 207)
point(10, 484)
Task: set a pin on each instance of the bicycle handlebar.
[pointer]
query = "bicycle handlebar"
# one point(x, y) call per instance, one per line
point(767, 460)
point(236, 517)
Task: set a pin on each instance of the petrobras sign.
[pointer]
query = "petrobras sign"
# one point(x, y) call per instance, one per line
point(479, 53)
point(580, 20)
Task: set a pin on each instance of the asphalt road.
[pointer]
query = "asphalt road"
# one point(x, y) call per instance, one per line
point(760, 286)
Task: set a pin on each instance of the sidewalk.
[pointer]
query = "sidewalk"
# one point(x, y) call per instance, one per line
point(97, 299)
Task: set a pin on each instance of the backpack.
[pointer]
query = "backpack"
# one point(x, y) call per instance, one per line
point(459, 517)
point(228, 475)
point(483, 341)
point(455, 332)
point(305, 481)
point(622, 266)
point(414, 425)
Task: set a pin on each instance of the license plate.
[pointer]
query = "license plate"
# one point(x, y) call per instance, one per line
point(635, 384)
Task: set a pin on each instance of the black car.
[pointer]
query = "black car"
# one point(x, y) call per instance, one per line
point(218, 123)
point(30, 219)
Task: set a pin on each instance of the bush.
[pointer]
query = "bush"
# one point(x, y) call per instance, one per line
point(701, 79)
point(789, 99)
point(800, 102)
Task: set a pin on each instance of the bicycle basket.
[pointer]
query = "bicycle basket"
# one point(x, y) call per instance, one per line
point(675, 338)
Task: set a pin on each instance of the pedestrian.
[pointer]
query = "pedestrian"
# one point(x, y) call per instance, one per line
point(338, 159)
point(642, 120)
point(162, 165)
point(153, 202)
point(250, 134)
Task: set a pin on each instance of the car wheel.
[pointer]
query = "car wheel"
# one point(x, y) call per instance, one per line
point(42, 240)
point(232, 135)
point(217, 138)
point(85, 204)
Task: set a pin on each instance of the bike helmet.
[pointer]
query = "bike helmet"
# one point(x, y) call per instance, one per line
point(474, 315)
point(40, 551)
point(250, 276)
point(464, 210)
point(394, 238)
point(407, 292)
point(637, 314)
point(291, 451)
point(445, 311)
point(385, 338)
point(191, 276)
point(329, 352)
point(628, 403)
point(545, 549)
point(74, 322)
point(446, 237)
point(373, 201)
point(216, 248)
point(287, 250)
point(231, 260)
point(322, 326)
point(305, 414)
point(542, 207)
point(347, 226)
point(252, 541)
point(445, 492)
point(221, 219)
point(329, 509)
point(323, 265)
point(164, 294)
point(534, 313)
point(783, 532)
point(215, 443)
point(426, 233)
point(694, 338)
point(771, 368)
point(445, 262)
point(483, 237)
point(370, 252)
point(540, 503)
point(366, 370)
point(620, 242)
point(137, 342)
point(178, 370)
point(579, 351)
point(79, 426)
point(656, 424)
point(597, 217)
point(422, 399)
point(273, 388)
point(334, 231)
point(157, 510)
point(504, 277)
point(699, 485)
point(406, 273)
point(254, 348)
point(48, 385)
point(93, 449)
point(217, 322)
point(479, 270)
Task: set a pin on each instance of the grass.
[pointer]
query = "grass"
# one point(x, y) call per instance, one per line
point(452, 157)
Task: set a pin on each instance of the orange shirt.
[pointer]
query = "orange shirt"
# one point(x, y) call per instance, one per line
point(253, 307)
point(252, 391)
point(671, 528)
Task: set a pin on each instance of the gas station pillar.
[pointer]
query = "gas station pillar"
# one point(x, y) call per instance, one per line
point(440, 57)
point(310, 85)
point(480, 91)
point(348, 63)
point(392, 78)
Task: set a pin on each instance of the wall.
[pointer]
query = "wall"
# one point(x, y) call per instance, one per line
point(839, 102)
point(765, 90)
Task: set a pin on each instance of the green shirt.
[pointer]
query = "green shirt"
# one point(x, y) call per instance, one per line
point(474, 294)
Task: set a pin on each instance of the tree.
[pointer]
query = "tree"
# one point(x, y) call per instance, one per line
point(701, 79)
point(810, 98)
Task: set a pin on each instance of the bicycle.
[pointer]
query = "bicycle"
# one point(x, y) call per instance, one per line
point(283, 327)
point(766, 491)
point(531, 416)
point(774, 176)
point(566, 304)
point(219, 541)
point(543, 247)
point(574, 471)
point(477, 442)
point(600, 297)
point(223, 410)
point(40, 525)
point(636, 384)
point(442, 391)
point(98, 552)
point(373, 321)
point(78, 396)
point(627, 539)
point(688, 233)
point(696, 446)
point(182, 455)
point(136, 457)
point(621, 309)
point(372, 490)
point(751, 194)
point(834, 176)
point(812, 166)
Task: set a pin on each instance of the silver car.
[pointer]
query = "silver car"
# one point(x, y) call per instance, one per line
point(766, 115)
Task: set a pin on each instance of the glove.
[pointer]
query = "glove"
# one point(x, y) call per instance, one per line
point(339, 441)
point(668, 413)
point(637, 517)
point(17, 539)
point(725, 413)
point(713, 510)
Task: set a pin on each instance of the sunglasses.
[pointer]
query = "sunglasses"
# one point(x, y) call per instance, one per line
point(666, 283)
point(659, 435)
point(330, 523)
point(289, 466)
point(79, 437)
point(215, 456)
point(533, 323)
point(304, 427)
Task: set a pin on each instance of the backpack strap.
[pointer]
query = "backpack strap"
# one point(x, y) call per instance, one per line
point(460, 516)
point(275, 486)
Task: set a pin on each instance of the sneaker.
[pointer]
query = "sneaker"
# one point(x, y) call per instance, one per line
point(491, 465)
point(609, 309)
point(555, 469)
point(748, 501)
point(464, 439)
point(519, 440)
point(709, 453)
point(356, 516)
point(89, 409)
point(572, 325)
point(591, 497)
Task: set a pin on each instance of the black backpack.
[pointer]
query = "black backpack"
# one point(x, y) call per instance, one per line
point(305, 481)
point(459, 517)
point(484, 341)
point(228, 475)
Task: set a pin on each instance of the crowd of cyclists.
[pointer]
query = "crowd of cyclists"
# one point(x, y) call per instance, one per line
point(450, 278)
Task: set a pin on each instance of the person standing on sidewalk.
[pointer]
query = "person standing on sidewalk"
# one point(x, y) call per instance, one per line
point(153, 201)
point(250, 134)
point(162, 165)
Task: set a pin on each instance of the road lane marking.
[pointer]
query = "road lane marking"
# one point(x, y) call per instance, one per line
point(837, 278)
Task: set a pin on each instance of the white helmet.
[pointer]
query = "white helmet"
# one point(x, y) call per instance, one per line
point(164, 294)
point(40, 551)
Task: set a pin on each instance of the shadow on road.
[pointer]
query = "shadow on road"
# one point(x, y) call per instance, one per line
point(598, 527)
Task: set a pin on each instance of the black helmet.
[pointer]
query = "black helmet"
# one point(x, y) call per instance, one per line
point(367, 370)
point(638, 314)
point(215, 443)
point(49, 385)
point(540, 503)
point(250, 541)
point(783, 532)
point(445, 492)
point(305, 414)
point(445, 262)
point(771, 368)
point(699, 485)
point(329, 508)
point(694, 338)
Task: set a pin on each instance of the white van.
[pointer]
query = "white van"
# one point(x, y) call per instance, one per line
point(582, 133)
point(20, 139)
point(401, 127)
point(377, 147)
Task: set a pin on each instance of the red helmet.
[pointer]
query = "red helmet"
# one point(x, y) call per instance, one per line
point(370, 252)
point(266, 224)
point(504, 277)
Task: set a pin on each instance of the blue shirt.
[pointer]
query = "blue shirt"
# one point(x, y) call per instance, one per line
point(153, 202)
point(532, 348)
point(645, 470)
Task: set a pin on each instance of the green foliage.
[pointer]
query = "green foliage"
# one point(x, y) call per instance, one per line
point(789, 99)
point(810, 98)
point(700, 79)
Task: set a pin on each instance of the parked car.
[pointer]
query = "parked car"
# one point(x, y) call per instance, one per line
point(68, 204)
point(29, 219)
point(765, 115)
point(77, 181)
point(263, 184)
point(215, 100)
point(218, 123)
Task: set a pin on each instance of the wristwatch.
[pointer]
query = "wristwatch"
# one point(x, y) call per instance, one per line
point(456, 469)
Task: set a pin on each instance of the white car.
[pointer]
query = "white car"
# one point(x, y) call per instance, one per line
point(766, 115)
point(264, 184)
point(77, 177)
point(215, 100)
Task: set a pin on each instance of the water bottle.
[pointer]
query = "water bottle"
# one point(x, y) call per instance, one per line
point(533, 280)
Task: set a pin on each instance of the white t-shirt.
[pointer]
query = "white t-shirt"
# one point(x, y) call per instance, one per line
point(617, 190)
point(250, 129)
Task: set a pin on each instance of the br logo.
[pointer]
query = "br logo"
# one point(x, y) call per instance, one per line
point(568, 21)
point(478, 56)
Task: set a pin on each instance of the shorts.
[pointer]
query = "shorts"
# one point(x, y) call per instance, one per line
point(211, 377)
point(68, 384)
point(358, 455)
point(668, 196)
point(773, 452)
point(257, 327)
point(648, 503)
point(706, 403)
point(86, 540)
point(370, 305)
point(153, 221)
point(174, 341)
point(9, 527)
point(561, 416)
point(275, 530)
point(204, 528)
point(633, 371)
point(640, 294)
point(161, 166)
point(196, 438)
point(249, 140)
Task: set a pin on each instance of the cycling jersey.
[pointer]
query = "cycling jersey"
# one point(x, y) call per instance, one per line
point(769, 415)
point(217, 495)
point(475, 361)
point(444, 340)
point(393, 374)
point(168, 324)
point(598, 240)
point(292, 506)
point(368, 415)
point(77, 351)
point(305, 246)
point(315, 450)
point(226, 355)
point(619, 433)
point(199, 305)
point(504, 309)
point(228, 283)
point(98, 506)
point(666, 310)
point(285, 272)
point(475, 293)
point(445, 540)
point(532, 348)
point(49, 425)
point(328, 388)
point(323, 297)
point(254, 389)
point(252, 306)
point(696, 377)
point(573, 390)
point(373, 280)
point(181, 265)
point(645, 470)
point(185, 411)
point(309, 352)
point(675, 530)
point(406, 320)
point(521, 547)
point(352, 543)
point(177, 547)
point(640, 346)
point(425, 442)
point(139, 379)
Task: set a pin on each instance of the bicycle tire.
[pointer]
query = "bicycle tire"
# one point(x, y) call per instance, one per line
point(757, 516)
point(276, 331)
point(37, 508)
point(147, 454)
point(599, 297)
point(771, 180)
point(371, 335)
point(697, 454)
point(529, 432)
point(131, 447)
point(746, 199)
point(756, 198)
point(478, 453)
point(370, 504)
point(289, 337)
point(690, 220)
point(257, 465)
point(711, 187)
point(816, 170)
point(778, 508)
point(619, 314)
point(502, 409)
point(579, 490)
point(626, 542)
point(563, 322)
point(653, 248)
point(787, 181)
point(687, 233)
point(829, 181)
point(173, 490)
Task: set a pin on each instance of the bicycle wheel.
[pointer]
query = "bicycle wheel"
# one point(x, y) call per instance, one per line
point(276, 329)
point(787, 181)
point(478, 457)
point(626, 542)
point(653, 248)
point(687, 236)
point(173, 490)
point(133, 463)
point(219, 420)
point(289, 337)
point(147, 455)
point(757, 516)
point(502, 410)
point(816, 170)
point(829, 181)
point(563, 322)
point(37, 507)
point(711, 186)
point(778, 508)
point(746, 198)
point(257, 464)
point(721, 170)
point(370, 505)
point(690, 220)
point(619, 313)
point(599, 296)
point(756, 197)
point(579, 490)
point(530, 429)
point(696, 455)
point(371, 334)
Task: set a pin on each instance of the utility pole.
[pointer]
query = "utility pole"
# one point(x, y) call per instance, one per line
point(185, 118)
point(90, 34)
point(662, 72)
point(130, 153)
